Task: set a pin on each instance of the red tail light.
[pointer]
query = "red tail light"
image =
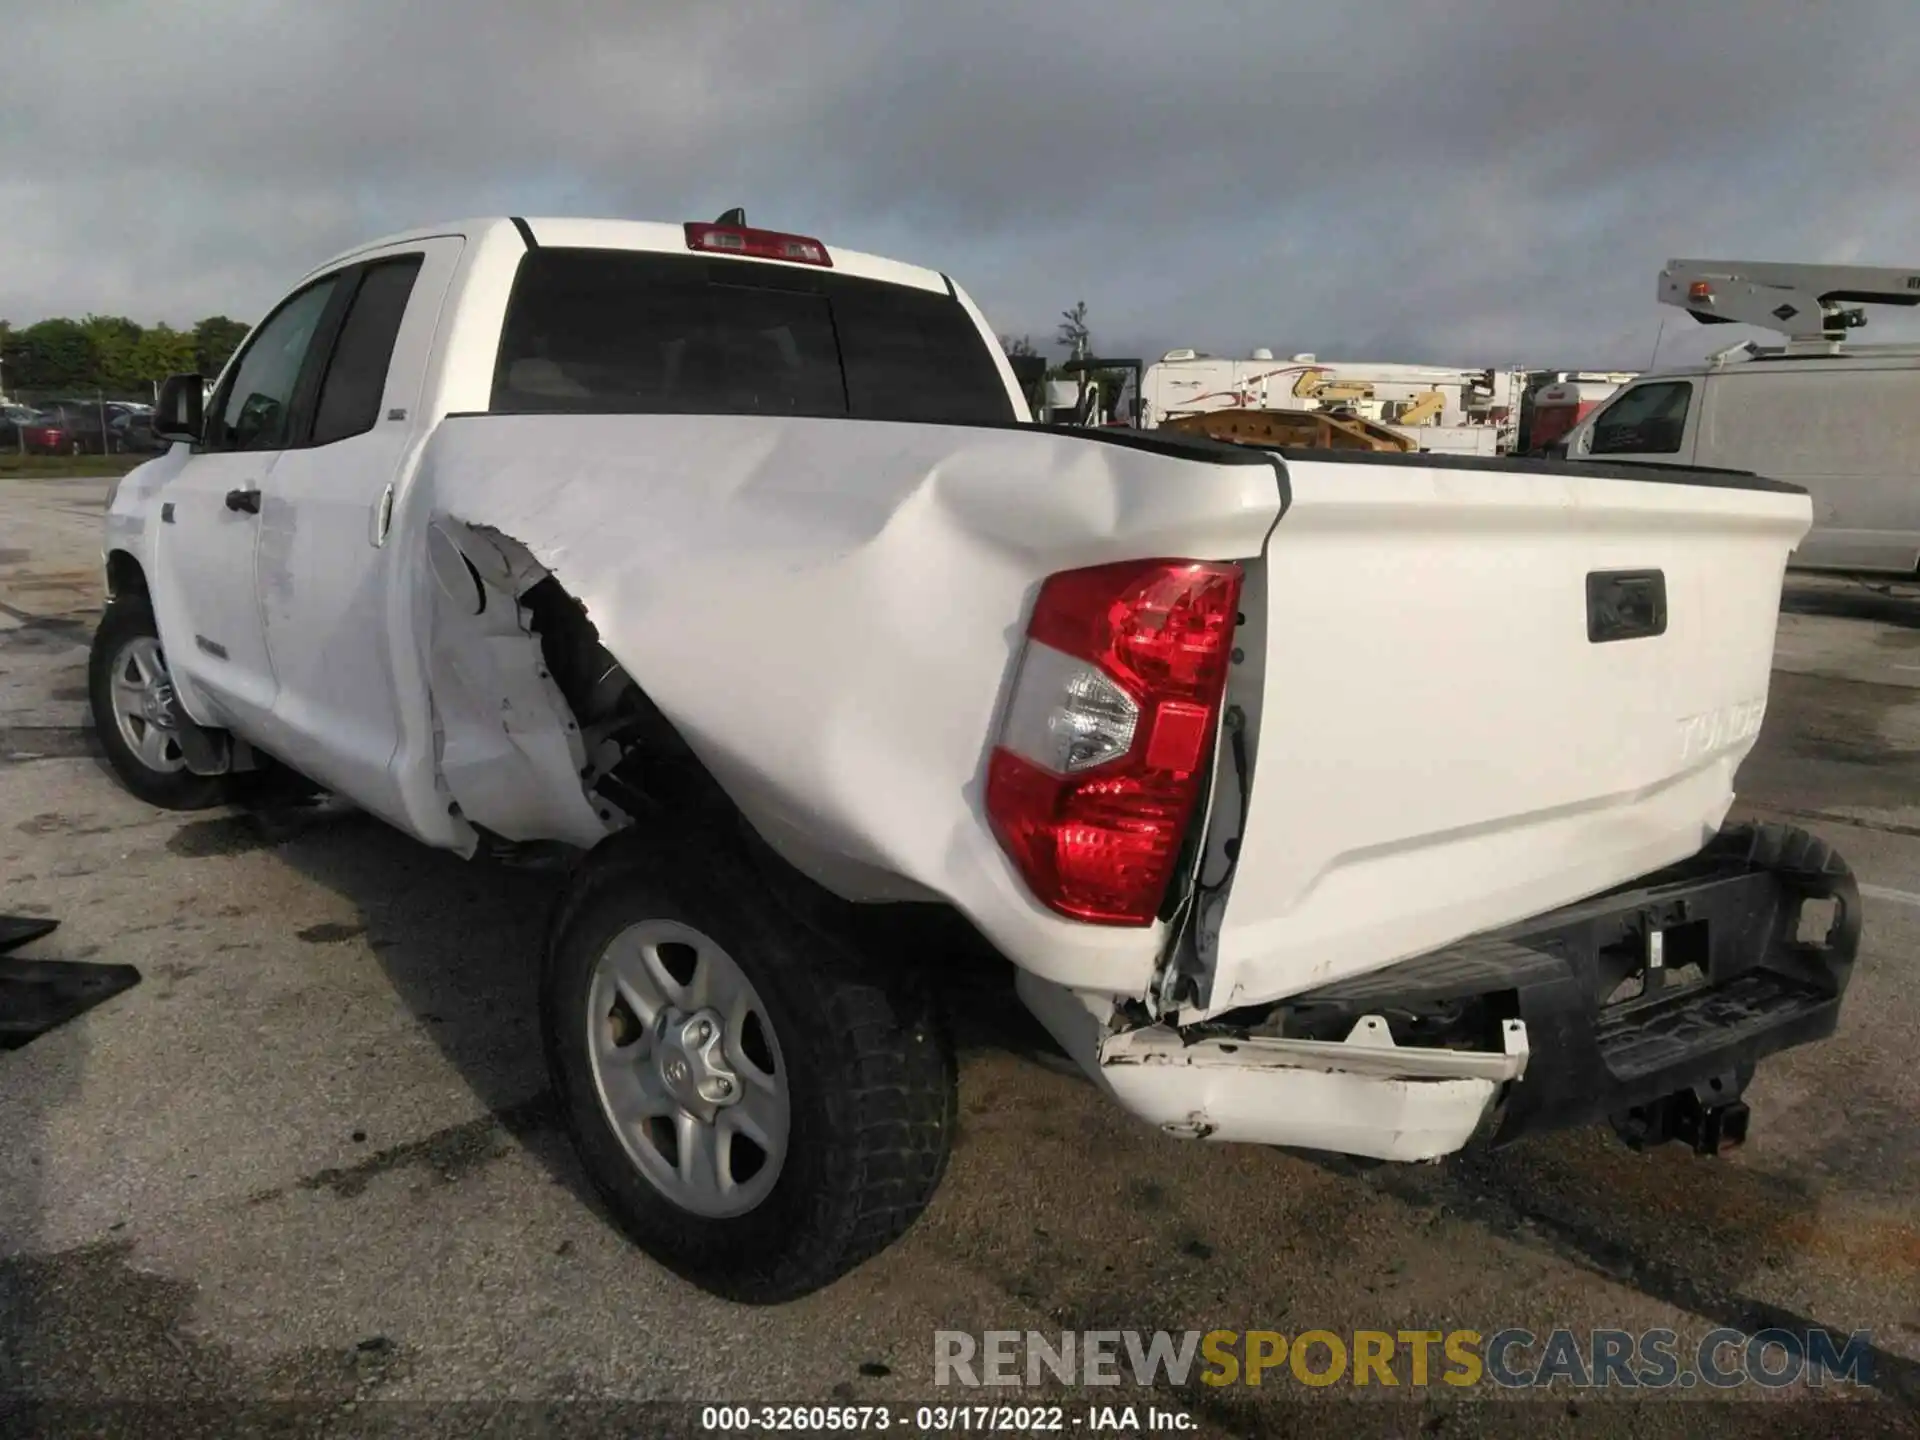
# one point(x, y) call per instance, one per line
point(762, 244)
point(1114, 709)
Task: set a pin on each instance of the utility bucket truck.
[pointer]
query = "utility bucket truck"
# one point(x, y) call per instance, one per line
point(1839, 419)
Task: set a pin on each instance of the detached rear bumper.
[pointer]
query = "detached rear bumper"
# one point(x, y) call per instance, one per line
point(1649, 1005)
point(1723, 981)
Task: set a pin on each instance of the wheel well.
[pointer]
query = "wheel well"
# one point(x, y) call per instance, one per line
point(638, 760)
point(124, 575)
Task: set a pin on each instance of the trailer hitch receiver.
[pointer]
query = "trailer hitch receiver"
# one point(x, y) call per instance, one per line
point(1710, 1119)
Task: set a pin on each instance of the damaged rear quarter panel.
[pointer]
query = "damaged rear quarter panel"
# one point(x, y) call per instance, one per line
point(509, 748)
point(829, 611)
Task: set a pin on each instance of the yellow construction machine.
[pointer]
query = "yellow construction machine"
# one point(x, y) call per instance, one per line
point(1301, 429)
point(1337, 428)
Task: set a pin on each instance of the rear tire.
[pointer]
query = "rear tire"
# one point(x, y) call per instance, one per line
point(843, 1067)
point(125, 671)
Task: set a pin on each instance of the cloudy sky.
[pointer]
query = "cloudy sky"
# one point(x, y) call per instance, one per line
point(1473, 183)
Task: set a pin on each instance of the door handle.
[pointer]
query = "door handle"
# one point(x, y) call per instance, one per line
point(383, 516)
point(247, 500)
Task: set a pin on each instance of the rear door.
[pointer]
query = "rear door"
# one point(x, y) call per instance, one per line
point(207, 602)
point(326, 574)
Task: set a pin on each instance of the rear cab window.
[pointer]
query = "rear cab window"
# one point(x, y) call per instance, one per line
point(636, 332)
point(356, 375)
point(1646, 419)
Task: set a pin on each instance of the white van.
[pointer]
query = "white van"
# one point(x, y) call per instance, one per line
point(1840, 420)
point(1846, 427)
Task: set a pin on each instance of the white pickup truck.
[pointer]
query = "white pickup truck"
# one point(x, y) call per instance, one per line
point(1343, 801)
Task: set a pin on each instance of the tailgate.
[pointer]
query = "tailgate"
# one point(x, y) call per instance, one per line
point(1447, 737)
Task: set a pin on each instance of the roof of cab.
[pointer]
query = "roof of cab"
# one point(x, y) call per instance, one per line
point(663, 237)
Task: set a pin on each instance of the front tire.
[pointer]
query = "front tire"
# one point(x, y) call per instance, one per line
point(761, 1108)
point(127, 687)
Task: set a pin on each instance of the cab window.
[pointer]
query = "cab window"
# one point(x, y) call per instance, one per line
point(356, 376)
point(618, 332)
point(255, 407)
point(1645, 420)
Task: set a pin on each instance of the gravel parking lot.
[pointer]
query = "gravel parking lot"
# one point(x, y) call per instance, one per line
point(309, 1156)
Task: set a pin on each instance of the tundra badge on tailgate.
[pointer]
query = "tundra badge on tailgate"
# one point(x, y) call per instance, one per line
point(1702, 735)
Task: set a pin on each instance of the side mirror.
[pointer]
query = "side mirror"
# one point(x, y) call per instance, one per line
point(179, 414)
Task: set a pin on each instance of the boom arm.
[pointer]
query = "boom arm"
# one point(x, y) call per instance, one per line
point(1802, 302)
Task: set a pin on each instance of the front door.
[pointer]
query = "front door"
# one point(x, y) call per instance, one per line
point(326, 583)
point(208, 600)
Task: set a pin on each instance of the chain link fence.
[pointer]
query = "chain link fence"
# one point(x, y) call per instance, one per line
point(80, 421)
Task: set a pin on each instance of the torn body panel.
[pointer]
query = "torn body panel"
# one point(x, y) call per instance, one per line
point(1361, 1096)
point(828, 613)
point(510, 749)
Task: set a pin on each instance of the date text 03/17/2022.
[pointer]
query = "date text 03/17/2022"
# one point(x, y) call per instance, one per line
point(946, 1419)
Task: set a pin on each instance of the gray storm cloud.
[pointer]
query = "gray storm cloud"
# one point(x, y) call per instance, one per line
point(1477, 183)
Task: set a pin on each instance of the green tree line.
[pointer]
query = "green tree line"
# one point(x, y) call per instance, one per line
point(110, 353)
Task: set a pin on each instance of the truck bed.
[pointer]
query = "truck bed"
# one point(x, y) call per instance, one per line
point(1436, 739)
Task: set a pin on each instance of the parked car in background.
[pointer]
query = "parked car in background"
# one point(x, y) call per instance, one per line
point(137, 437)
point(83, 425)
point(13, 419)
point(130, 429)
point(80, 427)
point(23, 428)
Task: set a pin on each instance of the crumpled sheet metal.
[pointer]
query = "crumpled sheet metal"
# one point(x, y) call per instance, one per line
point(829, 611)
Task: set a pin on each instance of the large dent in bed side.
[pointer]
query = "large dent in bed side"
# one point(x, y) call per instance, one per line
point(829, 611)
